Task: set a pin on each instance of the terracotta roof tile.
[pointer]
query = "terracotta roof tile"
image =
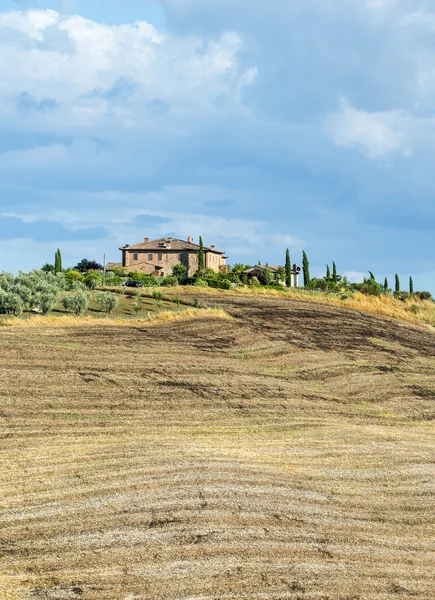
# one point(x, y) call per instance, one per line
point(173, 244)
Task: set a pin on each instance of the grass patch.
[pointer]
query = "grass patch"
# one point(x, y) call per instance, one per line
point(114, 320)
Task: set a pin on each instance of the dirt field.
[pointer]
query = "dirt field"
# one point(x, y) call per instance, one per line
point(287, 453)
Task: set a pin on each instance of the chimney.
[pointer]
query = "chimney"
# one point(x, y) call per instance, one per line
point(190, 239)
point(146, 239)
point(212, 246)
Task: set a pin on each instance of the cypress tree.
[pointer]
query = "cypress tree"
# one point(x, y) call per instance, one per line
point(288, 269)
point(306, 269)
point(397, 287)
point(411, 286)
point(328, 272)
point(201, 256)
point(385, 284)
point(334, 272)
point(57, 262)
point(372, 277)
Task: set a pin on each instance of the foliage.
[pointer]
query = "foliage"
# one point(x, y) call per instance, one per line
point(265, 277)
point(72, 277)
point(92, 279)
point(107, 301)
point(201, 255)
point(120, 271)
point(424, 295)
point(281, 274)
point(306, 269)
point(372, 277)
point(48, 268)
point(47, 301)
point(288, 268)
point(157, 294)
point(77, 302)
point(179, 271)
point(146, 279)
point(369, 287)
point(328, 272)
point(397, 283)
point(335, 276)
point(12, 303)
point(201, 283)
point(386, 285)
point(411, 286)
point(254, 281)
point(168, 281)
point(58, 262)
point(86, 265)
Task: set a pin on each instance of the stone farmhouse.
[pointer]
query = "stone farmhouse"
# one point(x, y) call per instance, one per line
point(157, 257)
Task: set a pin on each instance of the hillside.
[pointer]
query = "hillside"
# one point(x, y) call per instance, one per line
point(286, 453)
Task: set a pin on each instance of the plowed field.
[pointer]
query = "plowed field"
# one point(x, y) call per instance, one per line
point(287, 453)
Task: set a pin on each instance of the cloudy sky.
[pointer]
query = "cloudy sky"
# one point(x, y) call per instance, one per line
point(306, 124)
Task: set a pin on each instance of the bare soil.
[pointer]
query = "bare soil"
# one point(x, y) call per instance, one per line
point(287, 453)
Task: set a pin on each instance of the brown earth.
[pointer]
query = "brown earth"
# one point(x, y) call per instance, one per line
point(285, 454)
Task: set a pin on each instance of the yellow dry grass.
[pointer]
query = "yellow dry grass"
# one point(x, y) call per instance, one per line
point(113, 321)
point(285, 453)
point(411, 310)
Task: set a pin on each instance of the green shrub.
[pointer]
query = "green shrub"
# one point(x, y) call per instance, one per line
point(92, 279)
point(424, 295)
point(77, 302)
point(201, 283)
point(107, 301)
point(254, 282)
point(157, 295)
point(12, 303)
point(47, 301)
point(169, 281)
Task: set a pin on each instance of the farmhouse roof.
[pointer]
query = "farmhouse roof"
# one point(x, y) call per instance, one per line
point(112, 265)
point(262, 268)
point(168, 244)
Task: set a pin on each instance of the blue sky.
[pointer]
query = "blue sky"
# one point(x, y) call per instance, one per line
point(309, 125)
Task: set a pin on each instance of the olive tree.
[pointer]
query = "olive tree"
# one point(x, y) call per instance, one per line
point(107, 301)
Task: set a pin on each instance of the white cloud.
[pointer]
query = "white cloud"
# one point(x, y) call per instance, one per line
point(355, 276)
point(80, 63)
point(377, 135)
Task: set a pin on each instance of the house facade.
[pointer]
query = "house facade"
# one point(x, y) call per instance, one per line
point(157, 257)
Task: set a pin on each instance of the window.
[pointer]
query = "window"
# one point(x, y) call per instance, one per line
point(150, 256)
point(160, 256)
point(180, 257)
point(135, 256)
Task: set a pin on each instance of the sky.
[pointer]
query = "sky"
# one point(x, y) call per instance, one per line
point(303, 124)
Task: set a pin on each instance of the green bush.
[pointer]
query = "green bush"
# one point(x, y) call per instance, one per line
point(415, 308)
point(254, 282)
point(12, 303)
point(47, 301)
point(169, 281)
point(77, 302)
point(157, 295)
point(107, 301)
point(424, 295)
point(201, 283)
point(370, 287)
point(92, 279)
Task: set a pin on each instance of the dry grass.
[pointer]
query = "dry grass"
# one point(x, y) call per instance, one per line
point(411, 310)
point(114, 321)
point(286, 453)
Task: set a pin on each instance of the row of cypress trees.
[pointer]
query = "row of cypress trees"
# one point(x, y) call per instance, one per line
point(335, 277)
